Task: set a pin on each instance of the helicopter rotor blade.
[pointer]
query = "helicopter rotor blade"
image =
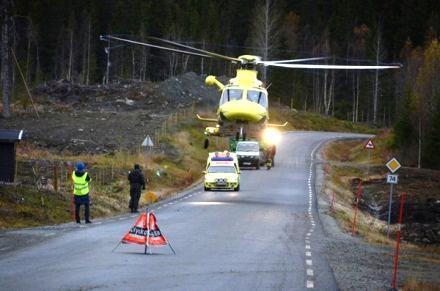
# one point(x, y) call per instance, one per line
point(266, 63)
point(215, 55)
point(108, 37)
point(336, 67)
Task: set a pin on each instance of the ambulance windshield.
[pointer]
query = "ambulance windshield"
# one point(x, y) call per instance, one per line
point(221, 169)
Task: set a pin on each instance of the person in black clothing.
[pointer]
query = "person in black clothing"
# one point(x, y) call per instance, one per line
point(137, 180)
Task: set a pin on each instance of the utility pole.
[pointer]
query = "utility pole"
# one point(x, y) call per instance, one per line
point(107, 72)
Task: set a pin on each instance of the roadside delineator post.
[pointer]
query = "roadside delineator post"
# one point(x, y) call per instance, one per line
point(358, 197)
point(396, 254)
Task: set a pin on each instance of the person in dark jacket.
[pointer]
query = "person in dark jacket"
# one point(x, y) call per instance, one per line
point(81, 180)
point(137, 182)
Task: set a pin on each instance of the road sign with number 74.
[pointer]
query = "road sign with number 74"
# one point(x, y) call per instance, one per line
point(392, 179)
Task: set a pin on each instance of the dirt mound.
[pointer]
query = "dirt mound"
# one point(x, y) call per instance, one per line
point(127, 95)
point(100, 119)
point(422, 207)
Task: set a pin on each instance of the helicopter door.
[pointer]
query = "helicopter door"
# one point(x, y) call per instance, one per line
point(231, 94)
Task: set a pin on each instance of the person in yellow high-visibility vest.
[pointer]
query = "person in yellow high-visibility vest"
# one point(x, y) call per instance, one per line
point(81, 180)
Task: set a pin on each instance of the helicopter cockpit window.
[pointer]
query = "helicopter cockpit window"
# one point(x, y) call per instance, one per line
point(257, 97)
point(231, 94)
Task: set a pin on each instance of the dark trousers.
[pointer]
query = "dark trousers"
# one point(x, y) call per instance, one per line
point(82, 200)
point(135, 194)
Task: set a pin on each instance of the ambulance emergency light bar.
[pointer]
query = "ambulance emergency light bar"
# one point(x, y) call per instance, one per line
point(222, 159)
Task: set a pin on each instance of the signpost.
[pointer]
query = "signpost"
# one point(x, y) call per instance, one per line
point(393, 165)
point(369, 146)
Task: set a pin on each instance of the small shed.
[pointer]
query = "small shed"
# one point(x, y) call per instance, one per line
point(8, 142)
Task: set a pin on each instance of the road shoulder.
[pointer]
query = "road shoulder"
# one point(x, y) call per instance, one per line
point(356, 264)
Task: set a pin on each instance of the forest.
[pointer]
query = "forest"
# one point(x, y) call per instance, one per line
point(60, 39)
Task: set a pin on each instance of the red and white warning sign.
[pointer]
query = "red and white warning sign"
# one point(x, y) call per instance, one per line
point(370, 145)
point(146, 231)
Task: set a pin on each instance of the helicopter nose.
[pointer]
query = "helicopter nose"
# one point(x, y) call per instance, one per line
point(243, 110)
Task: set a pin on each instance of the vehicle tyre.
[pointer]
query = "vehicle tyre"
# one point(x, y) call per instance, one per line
point(206, 143)
point(257, 165)
point(206, 188)
point(237, 188)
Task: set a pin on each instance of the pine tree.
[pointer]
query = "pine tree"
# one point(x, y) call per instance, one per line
point(431, 158)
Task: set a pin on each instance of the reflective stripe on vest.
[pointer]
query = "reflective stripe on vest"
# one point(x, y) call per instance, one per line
point(80, 185)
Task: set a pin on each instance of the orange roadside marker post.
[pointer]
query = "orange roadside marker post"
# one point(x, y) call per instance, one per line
point(396, 254)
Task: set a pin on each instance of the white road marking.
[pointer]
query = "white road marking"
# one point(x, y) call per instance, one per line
point(134, 215)
point(99, 222)
point(310, 283)
point(121, 218)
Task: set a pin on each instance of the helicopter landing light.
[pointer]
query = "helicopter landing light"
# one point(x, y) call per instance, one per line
point(271, 136)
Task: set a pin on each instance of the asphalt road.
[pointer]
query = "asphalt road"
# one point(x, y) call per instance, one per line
point(267, 236)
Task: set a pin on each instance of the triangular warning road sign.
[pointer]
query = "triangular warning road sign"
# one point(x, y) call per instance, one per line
point(370, 145)
point(145, 231)
point(148, 142)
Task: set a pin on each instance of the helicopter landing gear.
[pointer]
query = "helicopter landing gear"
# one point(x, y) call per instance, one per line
point(241, 135)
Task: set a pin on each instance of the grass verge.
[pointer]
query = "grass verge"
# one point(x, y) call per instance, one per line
point(177, 163)
point(347, 162)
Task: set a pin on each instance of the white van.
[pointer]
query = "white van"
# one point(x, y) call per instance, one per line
point(249, 154)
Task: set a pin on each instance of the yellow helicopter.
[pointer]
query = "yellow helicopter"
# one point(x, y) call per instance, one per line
point(243, 107)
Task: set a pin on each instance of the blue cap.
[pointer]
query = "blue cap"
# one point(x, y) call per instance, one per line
point(80, 166)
